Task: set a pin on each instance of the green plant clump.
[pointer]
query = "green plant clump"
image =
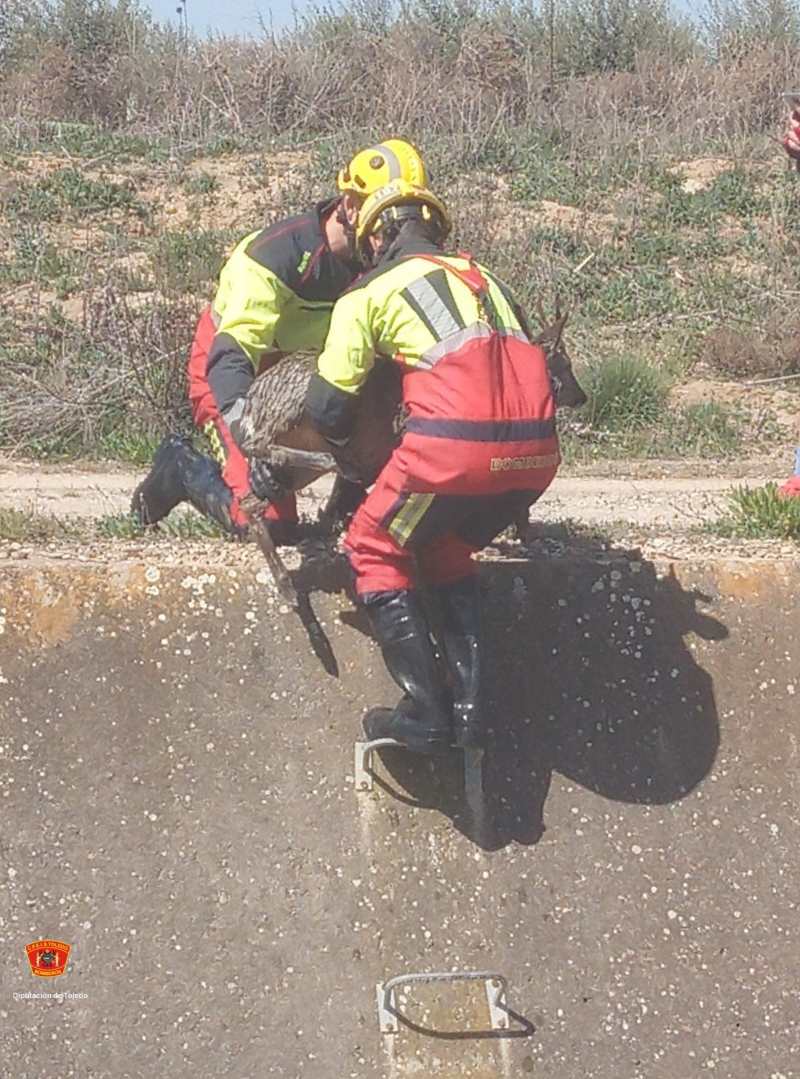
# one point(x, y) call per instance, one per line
point(186, 525)
point(187, 261)
point(626, 394)
point(761, 513)
point(69, 190)
point(22, 526)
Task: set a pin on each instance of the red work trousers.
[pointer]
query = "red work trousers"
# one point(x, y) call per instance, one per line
point(397, 534)
point(208, 418)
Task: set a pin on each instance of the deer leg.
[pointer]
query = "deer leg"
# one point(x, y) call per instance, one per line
point(288, 457)
point(522, 525)
point(343, 501)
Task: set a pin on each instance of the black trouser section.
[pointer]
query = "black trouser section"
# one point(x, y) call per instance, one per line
point(476, 519)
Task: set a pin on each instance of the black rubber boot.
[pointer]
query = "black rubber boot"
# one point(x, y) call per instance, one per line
point(162, 489)
point(207, 490)
point(179, 474)
point(422, 720)
point(460, 632)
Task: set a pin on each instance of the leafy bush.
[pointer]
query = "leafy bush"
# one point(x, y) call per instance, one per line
point(608, 35)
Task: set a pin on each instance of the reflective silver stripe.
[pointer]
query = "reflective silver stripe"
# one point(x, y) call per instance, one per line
point(442, 322)
point(216, 317)
point(457, 340)
point(392, 160)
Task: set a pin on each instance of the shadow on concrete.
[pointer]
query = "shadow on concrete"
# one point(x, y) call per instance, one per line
point(588, 674)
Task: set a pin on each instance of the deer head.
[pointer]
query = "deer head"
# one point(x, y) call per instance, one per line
point(568, 391)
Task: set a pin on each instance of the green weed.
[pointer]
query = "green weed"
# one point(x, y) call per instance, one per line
point(188, 261)
point(36, 258)
point(22, 526)
point(760, 513)
point(201, 183)
point(133, 447)
point(89, 141)
point(182, 525)
point(68, 191)
point(625, 394)
point(710, 429)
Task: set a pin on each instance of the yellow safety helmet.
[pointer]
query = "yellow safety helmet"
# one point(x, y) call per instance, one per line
point(394, 159)
point(385, 205)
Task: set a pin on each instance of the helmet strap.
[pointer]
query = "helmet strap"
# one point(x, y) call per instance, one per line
point(351, 255)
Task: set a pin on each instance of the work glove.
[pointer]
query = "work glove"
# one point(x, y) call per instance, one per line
point(263, 482)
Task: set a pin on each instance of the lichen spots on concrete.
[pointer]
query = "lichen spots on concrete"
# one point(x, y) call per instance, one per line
point(177, 769)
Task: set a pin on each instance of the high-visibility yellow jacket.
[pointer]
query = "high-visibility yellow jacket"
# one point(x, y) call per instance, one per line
point(480, 403)
point(275, 295)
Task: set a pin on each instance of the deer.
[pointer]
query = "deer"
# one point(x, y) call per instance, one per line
point(275, 428)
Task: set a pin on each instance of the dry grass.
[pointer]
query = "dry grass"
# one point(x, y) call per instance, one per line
point(563, 170)
point(107, 385)
point(744, 353)
point(472, 78)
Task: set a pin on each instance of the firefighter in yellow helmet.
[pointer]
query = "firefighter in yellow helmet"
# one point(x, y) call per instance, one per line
point(479, 446)
point(275, 296)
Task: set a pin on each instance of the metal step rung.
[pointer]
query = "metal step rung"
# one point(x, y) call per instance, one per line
point(496, 990)
point(363, 764)
point(364, 776)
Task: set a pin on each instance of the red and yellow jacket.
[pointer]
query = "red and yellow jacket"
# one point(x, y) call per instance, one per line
point(481, 409)
point(275, 295)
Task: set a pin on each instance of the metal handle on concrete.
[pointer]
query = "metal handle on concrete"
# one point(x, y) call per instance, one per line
point(473, 768)
point(363, 764)
point(496, 988)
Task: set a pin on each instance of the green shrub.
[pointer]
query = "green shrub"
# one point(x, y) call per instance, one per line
point(608, 35)
point(625, 394)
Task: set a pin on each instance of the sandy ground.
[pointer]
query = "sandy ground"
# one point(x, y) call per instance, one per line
point(646, 500)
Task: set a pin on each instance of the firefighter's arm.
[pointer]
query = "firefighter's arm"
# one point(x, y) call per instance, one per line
point(254, 298)
point(343, 367)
